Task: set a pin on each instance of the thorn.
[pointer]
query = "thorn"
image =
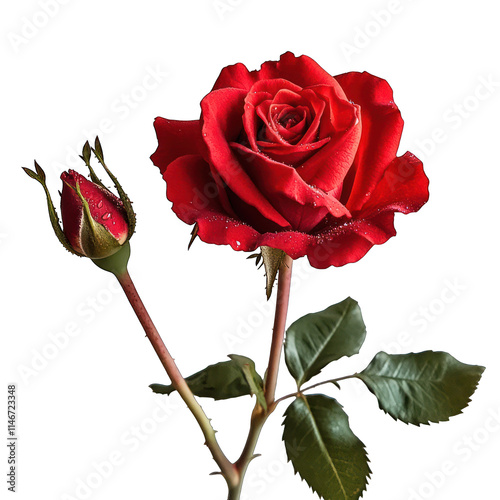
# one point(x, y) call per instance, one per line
point(215, 473)
point(194, 234)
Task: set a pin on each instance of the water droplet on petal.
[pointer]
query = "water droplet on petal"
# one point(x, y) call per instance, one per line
point(106, 216)
point(99, 205)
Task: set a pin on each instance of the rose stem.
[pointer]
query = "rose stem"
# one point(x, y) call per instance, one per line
point(259, 415)
point(283, 296)
point(228, 470)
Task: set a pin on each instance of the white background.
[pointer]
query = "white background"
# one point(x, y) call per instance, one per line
point(73, 69)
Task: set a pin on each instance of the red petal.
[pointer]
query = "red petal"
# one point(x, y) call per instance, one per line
point(302, 71)
point(192, 189)
point(328, 168)
point(289, 154)
point(176, 138)
point(382, 127)
point(221, 113)
point(301, 204)
point(403, 188)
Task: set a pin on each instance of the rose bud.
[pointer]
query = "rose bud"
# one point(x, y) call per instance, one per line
point(96, 223)
point(94, 220)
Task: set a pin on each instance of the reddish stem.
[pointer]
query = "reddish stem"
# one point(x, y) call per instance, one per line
point(282, 299)
point(227, 468)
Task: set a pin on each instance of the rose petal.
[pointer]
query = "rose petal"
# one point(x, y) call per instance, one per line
point(404, 188)
point(221, 114)
point(302, 71)
point(192, 189)
point(328, 168)
point(349, 243)
point(292, 131)
point(382, 128)
point(288, 154)
point(176, 138)
point(302, 205)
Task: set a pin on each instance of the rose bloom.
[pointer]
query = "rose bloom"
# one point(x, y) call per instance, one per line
point(292, 158)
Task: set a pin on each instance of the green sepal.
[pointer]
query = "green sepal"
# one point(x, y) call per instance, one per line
point(258, 259)
point(273, 259)
point(418, 388)
point(254, 380)
point(323, 449)
point(317, 339)
point(224, 380)
point(127, 204)
point(96, 241)
point(85, 156)
point(39, 176)
point(116, 263)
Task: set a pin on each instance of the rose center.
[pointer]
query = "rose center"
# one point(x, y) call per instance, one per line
point(290, 119)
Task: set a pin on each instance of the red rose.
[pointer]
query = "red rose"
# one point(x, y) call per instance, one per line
point(292, 158)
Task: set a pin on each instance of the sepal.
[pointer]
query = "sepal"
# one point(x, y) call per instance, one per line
point(127, 204)
point(39, 176)
point(273, 259)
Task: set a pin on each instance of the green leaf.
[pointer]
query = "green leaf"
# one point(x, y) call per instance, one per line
point(419, 388)
point(223, 380)
point(323, 449)
point(254, 380)
point(319, 338)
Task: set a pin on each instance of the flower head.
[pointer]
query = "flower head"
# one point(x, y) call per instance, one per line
point(292, 158)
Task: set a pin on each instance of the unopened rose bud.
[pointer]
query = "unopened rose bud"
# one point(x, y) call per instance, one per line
point(94, 220)
point(96, 223)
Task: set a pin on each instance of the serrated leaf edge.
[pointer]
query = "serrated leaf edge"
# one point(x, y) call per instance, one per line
point(417, 423)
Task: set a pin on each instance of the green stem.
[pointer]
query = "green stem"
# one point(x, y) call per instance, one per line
point(228, 470)
point(299, 393)
point(259, 415)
